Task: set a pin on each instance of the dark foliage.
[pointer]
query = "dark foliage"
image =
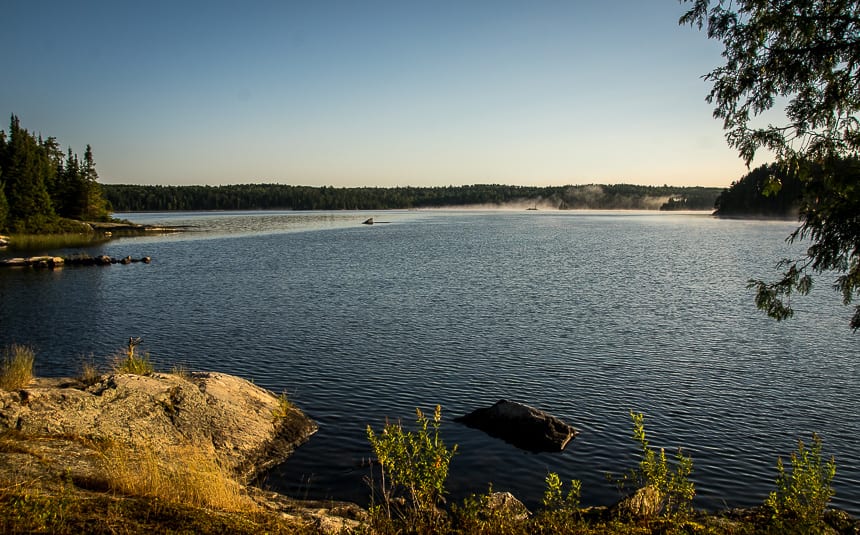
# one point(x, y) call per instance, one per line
point(287, 197)
point(806, 54)
point(39, 189)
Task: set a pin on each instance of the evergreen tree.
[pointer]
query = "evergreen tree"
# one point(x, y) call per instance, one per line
point(4, 206)
point(24, 168)
point(93, 203)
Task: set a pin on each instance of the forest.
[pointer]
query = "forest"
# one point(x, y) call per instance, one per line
point(43, 189)
point(778, 191)
point(46, 190)
point(126, 198)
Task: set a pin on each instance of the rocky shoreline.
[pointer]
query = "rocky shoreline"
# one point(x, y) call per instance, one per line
point(53, 431)
point(54, 434)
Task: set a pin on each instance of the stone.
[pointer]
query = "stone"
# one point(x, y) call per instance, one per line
point(522, 426)
point(646, 502)
point(229, 416)
point(507, 505)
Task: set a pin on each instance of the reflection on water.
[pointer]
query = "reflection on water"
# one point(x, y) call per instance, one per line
point(585, 315)
point(210, 225)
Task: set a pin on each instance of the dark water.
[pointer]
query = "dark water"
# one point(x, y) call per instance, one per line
point(586, 315)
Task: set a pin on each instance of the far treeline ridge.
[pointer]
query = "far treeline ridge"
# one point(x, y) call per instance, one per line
point(281, 196)
point(43, 190)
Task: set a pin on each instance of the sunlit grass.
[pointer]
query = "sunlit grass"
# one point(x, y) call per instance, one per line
point(41, 242)
point(131, 363)
point(179, 474)
point(16, 368)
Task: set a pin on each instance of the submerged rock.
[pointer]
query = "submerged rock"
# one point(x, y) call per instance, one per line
point(522, 426)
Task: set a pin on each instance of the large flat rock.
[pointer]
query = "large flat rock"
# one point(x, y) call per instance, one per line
point(240, 423)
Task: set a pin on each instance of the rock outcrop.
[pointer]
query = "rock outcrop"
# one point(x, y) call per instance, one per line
point(522, 426)
point(53, 262)
point(248, 428)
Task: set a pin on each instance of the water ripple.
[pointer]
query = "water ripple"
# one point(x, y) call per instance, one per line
point(588, 316)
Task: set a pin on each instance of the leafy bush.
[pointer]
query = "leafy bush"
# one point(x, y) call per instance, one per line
point(802, 494)
point(16, 369)
point(560, 510)
point(414, 467)
point(656, 472)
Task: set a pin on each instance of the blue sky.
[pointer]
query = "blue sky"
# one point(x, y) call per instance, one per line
point(370, 93)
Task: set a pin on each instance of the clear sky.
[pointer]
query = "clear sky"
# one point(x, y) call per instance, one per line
point(369, 93)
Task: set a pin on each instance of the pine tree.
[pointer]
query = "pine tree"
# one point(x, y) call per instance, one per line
point(94, 205)
point(4, 205)
point(24, 169)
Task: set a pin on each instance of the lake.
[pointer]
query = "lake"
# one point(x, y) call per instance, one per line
point(587, 315)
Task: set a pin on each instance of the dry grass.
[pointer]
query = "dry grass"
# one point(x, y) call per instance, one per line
point(16, 369)
point(181, 371)
point(89, 372)
point(183, 474)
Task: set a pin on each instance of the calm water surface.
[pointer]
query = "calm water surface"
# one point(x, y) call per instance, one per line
point(586, 315)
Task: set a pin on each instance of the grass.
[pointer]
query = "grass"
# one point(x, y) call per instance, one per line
point(128, 362)
point(89, 372)
point(283, 408)
point(181, 474)
point(42, 242)
point(136, 364)
point(16, 369)
point(27, 511)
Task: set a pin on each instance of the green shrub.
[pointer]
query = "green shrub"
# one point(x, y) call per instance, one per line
point(560, 510)
point(283, 408)
point(554, 498)
point(16, 369)
point(655, 471)
point(414, 467)
point(802, 495)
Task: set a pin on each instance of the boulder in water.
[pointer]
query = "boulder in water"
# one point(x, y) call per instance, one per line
point(522, 426)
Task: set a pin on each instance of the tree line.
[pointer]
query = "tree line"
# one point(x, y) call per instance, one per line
point(776, 190)
point(289, 197)
point(43, 189)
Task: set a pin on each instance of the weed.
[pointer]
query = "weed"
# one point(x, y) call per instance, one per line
point(416, 464)
point(283, 407)
point(560, 510)
point(16, 369)
point(802, 494)
point(673, 486)
point(89, 372)
point(131, 363)
point(553, 496)
point(181, 371)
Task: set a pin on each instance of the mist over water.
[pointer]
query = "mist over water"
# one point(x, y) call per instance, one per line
point(586, 315)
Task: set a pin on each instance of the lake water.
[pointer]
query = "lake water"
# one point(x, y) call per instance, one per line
point(587, 315)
